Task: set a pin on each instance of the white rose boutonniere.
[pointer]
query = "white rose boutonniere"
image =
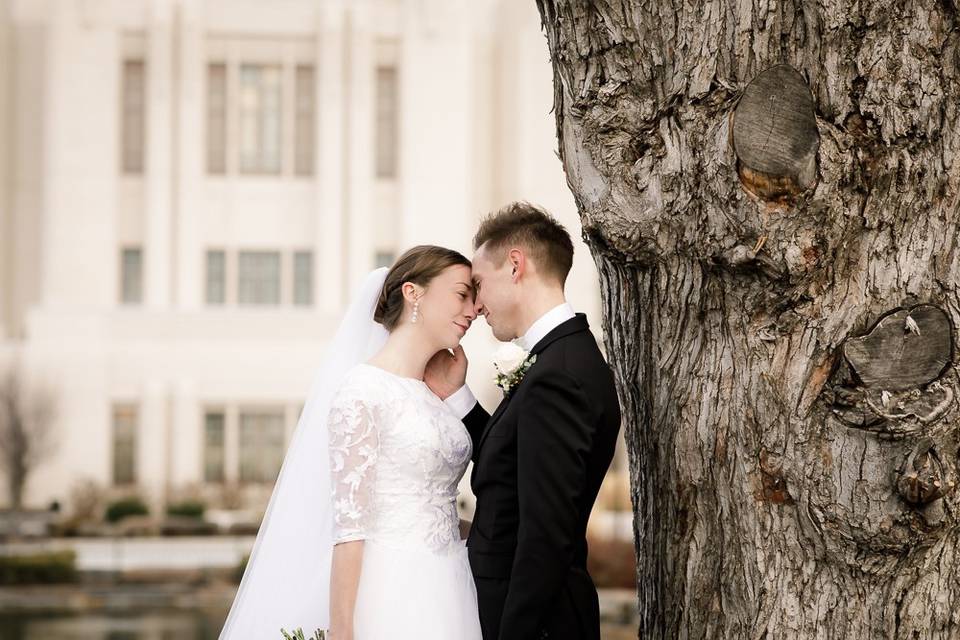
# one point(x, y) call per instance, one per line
point(511, 363)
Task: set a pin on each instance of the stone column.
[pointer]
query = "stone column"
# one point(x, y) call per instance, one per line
point(329, 141)
point(159, 167)
point(6, 153)
point(189, 267)
point(358, 214)
point(436, 116)
point(78, 133)
point(186, 452)
point(153, 439)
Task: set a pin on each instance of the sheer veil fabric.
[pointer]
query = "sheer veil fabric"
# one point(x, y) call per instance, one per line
point(287, 579)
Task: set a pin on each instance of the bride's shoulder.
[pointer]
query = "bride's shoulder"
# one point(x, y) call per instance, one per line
point(358, 374)
point(358, 381)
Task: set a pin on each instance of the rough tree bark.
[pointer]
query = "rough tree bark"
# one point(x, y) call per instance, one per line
point(770, 192)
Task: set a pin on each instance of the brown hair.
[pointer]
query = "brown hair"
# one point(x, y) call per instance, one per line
point(527, 225)
point(419, 265)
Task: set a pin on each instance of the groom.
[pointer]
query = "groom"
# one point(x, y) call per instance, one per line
point(540, 459)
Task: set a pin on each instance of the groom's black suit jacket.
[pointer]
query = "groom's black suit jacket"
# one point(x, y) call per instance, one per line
point(538, 464)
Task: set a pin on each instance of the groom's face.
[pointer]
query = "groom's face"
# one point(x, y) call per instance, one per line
point(496, 293)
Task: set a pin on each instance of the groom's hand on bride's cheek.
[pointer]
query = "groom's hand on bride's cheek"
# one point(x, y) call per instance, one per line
point(446, 372)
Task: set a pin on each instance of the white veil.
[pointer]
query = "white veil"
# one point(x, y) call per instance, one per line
point(287, 580)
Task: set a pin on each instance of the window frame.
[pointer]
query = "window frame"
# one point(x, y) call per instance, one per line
point(132, 441)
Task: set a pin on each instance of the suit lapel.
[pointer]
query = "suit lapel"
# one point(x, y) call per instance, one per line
point(571, 326)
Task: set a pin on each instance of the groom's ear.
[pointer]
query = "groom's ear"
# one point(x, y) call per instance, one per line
point(518, 263)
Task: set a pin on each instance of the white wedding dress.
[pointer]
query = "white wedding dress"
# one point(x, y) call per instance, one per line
point(397, 454)
point(375, 457)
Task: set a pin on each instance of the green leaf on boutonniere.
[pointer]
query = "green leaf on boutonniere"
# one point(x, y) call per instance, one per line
point(509, 381)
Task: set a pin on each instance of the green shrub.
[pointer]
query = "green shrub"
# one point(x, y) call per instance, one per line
point(240, 568)
point(38, 568)
point(120, 509)
point(187, 508)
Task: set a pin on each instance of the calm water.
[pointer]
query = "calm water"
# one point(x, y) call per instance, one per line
point(135, 625)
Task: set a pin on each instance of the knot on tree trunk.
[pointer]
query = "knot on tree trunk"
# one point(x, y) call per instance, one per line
point(775, 137)
point(924, 477)
point(906, 349)
point(897, 388)
point(895, 379)
point(773, 484)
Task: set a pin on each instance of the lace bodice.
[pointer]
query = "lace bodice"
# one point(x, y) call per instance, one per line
point(397, 454)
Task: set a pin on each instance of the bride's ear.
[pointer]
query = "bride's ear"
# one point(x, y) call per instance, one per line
point(411, 292)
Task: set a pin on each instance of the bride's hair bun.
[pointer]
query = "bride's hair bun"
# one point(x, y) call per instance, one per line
point(418, 265)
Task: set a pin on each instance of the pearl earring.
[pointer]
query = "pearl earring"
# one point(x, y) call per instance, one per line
point(416, 312)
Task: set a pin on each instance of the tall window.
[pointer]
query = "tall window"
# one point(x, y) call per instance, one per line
point(216, 277)
point(259, 277)
point(261, 446)
point(131, 275)
point(217, 118)
point(260, 118)
point(213, 447)
point(124, 445)
point(252, 95)
point(304, 125)
point(133, 117)
point(387, 125)
point(303, 278)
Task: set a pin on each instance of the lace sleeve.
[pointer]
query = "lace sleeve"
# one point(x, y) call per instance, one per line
point(354, 449)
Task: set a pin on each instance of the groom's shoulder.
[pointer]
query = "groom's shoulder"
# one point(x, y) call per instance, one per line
point(575, 352)
point(574, 362)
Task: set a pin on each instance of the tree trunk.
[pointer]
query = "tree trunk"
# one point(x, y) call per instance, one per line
point(26, 434)
point(770, 195)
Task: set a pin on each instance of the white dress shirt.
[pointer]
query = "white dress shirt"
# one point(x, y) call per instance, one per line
point(463, 400)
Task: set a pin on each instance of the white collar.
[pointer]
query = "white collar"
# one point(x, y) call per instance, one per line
point(545, 324)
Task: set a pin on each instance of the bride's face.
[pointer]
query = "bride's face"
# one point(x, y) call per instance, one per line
point(446, 307)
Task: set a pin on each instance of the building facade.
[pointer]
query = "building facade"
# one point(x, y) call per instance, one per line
point(189, 189)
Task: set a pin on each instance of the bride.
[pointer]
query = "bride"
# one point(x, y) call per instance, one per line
point(361, 535)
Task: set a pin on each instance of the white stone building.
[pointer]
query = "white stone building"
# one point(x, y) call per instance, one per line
point(190, 188)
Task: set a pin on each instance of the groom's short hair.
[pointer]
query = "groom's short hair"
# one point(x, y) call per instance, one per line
point(529, 226)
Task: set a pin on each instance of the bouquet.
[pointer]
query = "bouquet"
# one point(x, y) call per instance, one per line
point(318, 634)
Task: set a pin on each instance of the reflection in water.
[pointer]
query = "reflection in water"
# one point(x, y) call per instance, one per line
point(127, 625)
